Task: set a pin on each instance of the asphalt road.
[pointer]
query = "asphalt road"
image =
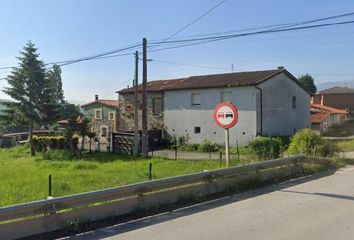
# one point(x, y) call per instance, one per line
point(317, 207)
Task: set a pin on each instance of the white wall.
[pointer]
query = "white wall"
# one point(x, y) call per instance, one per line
point(181, 117)
point(279, 117)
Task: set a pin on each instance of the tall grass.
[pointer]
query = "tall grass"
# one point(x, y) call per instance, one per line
point(24, 178)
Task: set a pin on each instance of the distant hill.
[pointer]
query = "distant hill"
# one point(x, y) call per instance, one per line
point(323, 86)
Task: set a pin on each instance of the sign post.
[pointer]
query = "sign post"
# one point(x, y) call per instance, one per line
point(227, 144)
point(226, 116)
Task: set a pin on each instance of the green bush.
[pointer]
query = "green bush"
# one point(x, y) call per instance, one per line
point(42, 144)
point(207, 146)
point(266, 147)
point(309, 142)
point(189, 147)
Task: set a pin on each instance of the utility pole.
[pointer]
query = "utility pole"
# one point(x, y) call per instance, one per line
point(144, 143)
point(136, 107)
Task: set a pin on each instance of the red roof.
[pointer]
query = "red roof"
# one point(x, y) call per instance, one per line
point(327, 109)
point(66, 121)
point(319, 117)
point(110, 103)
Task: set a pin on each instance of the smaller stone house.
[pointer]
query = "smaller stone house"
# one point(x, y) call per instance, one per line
point(323, 117)
point(320, 121)
point(103, 116)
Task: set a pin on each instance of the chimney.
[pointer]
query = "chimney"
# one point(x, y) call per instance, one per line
point(280, 67)
point(96, 97)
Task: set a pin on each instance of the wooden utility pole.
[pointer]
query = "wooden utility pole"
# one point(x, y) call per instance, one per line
point(144, 142)
point(136, 107)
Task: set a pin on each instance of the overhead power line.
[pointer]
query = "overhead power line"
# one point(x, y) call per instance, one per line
point(189, 65)
point(197, 41)
point(188, 41)
point(275, 26)
point(194, 21)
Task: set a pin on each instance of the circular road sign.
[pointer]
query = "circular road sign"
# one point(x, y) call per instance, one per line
point(225, 115)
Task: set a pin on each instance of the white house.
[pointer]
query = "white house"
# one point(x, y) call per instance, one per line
point(270, 103)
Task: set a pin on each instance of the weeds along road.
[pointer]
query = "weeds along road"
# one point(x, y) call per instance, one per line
point(317, 207)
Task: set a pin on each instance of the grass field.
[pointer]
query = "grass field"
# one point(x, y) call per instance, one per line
point(24, 178)
point(344, 145)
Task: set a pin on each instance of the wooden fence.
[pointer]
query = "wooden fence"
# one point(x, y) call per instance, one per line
point(43, 216)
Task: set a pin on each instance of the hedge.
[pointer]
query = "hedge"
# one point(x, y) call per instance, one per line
point(42, 144)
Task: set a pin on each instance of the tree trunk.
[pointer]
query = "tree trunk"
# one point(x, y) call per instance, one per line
point(30, 130)
point(82, 145)
point(90, 145)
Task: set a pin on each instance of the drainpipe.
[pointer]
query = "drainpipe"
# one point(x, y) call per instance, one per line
point(261, 105)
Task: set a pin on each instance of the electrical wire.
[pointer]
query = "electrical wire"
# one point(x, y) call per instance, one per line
point(194, 21)
point(189, 65)
point(197, 41)
point(275, 25)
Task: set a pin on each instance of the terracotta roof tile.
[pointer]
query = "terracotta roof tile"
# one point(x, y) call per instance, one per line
point(327, 109)
point(319, 117)
point(110, 103)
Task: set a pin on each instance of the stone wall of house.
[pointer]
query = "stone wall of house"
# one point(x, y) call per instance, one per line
point(126, 111)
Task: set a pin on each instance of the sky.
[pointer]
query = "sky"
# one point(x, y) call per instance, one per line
point(67, 29)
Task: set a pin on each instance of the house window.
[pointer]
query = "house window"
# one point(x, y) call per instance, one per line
point(196, 130)
point(294, 102)
point(226, 97)
point(111, 116)
point(156, 106)
point(195, 99)
point(98, 113)
point(104, 131)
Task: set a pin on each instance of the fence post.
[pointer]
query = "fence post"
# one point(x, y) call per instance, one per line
point(220, 158)
point(238, 151)
point(176, 152)
point(50, 185)
point(150, 171)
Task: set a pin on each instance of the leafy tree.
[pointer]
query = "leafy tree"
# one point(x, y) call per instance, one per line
point(69, 111)
point(26, 87)
point(308, 82)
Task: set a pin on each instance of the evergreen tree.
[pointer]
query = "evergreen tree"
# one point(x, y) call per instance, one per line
point(26, 87)
point(53, 96)
point(308, 82)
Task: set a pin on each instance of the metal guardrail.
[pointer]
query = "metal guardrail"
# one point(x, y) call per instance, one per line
point(53, 214)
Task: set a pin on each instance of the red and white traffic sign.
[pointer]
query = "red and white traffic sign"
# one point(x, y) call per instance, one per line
point(225, 115)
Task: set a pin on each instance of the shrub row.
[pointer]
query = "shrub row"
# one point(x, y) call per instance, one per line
point(42, 144)
point(305, 141)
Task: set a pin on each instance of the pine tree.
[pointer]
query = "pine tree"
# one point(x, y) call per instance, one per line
point(26, 87)
point(53, 96)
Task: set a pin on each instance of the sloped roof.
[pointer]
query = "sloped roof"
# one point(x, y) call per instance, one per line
point(327, 109)
point(110, 103)
point(319, 117)
point(337, 89)
point(212, 81)
point(66, 121)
